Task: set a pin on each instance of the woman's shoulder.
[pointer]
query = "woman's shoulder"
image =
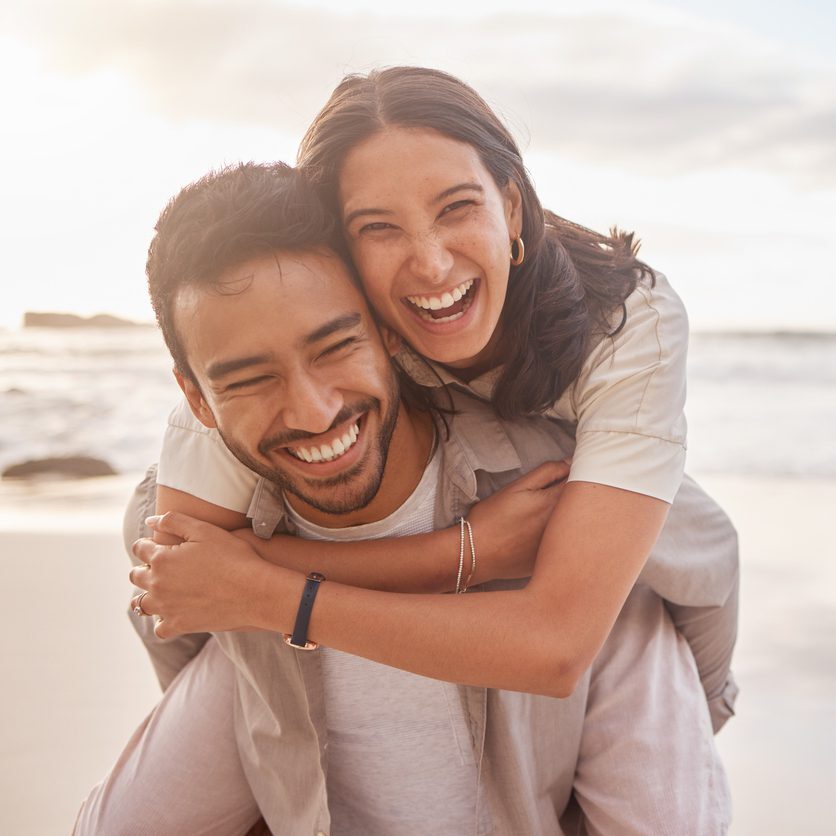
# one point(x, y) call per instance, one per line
point(649, 331)
point(627, 402)
point(655, 297)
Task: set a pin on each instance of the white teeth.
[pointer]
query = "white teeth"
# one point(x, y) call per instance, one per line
point(448, 298)
point(452, 318)
point(328, 452)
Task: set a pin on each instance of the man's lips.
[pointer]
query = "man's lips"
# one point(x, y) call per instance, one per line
point(334, 447)
point(446, 307)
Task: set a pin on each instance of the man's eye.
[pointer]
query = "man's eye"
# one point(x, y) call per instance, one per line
point(338, 347)
point(243, 384)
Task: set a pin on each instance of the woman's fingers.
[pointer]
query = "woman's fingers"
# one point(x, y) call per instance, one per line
point(140, 575)
point(144, 549)
point(141, 604)
point(183, 526)
point(546, 475)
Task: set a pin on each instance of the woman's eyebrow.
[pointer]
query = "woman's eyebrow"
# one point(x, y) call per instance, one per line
point(359, 213)
point(460, 187)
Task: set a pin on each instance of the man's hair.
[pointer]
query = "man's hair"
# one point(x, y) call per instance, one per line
point(223, 220)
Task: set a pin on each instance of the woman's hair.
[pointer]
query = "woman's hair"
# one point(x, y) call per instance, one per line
point(572, 280)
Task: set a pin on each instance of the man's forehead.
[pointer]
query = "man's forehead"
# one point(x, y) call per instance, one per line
point(295, 278)
point(272, 303)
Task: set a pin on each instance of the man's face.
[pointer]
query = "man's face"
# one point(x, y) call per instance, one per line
point(293, 372)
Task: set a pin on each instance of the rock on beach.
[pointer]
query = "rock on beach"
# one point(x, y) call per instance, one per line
point(72, 467)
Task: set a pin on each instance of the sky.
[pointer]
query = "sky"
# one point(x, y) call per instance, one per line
point(707, 127)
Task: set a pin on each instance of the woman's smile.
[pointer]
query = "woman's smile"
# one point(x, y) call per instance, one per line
point(430, 231)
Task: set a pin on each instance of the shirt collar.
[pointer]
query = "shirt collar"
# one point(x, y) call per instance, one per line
point(433, 375)
point(477, 442)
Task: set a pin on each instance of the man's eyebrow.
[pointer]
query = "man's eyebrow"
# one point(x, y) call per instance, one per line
point(459, 187)
point(224, 367)
point(340, 323)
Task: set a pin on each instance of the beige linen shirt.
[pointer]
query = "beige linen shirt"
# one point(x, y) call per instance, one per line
point(525, 747)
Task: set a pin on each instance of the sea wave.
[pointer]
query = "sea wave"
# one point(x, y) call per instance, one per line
point(762, 404)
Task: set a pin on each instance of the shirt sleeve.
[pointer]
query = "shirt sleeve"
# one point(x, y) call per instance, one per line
point(628, 401)
point(195, 460)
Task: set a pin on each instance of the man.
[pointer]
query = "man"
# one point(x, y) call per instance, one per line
point(313, 405)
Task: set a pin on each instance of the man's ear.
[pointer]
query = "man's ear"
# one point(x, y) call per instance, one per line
point(391, 340)
point(198, 405)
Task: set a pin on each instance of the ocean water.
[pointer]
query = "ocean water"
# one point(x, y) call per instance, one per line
point(757, 404)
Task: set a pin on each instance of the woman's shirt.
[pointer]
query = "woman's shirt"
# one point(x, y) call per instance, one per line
point(626, 407)
point(627, 403)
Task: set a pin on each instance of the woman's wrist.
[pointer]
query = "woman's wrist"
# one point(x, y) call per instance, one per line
point(275, 596)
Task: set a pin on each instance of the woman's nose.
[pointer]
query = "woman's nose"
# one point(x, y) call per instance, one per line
point(431, 259)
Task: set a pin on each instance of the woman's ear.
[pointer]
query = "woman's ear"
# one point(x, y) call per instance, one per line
point(200, 409)
point(391, 340)
point(513, 209)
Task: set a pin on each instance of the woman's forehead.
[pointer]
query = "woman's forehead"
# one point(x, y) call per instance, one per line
point(398, 161)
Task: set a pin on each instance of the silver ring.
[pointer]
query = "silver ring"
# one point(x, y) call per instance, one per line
point(138, 605)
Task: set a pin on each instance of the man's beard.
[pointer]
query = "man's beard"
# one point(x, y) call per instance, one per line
point(336, 494)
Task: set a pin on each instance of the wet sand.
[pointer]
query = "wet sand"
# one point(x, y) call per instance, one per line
point(77, 680)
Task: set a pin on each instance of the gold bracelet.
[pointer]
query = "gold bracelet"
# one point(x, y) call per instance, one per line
point(462, 588)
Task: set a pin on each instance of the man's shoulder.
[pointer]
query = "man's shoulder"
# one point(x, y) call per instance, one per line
point(493, 444)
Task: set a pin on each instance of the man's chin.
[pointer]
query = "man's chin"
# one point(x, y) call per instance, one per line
point(340, 494)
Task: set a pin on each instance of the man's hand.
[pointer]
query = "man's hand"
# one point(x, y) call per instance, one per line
point(209, 582)
point(508, 526)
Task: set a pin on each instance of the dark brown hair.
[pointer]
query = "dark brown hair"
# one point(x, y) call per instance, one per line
point(224, 219)
point(230, 216)
point(572, 281)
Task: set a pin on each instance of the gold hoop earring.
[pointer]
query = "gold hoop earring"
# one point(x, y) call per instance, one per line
point(520, 256)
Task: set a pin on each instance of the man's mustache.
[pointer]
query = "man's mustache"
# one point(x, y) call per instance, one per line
point(282, 439)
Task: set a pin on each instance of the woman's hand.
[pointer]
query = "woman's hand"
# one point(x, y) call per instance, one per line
point(209, 582)
point(508, 525)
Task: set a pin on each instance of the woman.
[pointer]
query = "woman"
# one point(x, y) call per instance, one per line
point(522, 308)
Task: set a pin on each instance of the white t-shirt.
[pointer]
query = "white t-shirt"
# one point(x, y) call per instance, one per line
point(627, 405)
point(399, 753)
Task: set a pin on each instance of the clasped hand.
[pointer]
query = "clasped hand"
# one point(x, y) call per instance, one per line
point(209, 582)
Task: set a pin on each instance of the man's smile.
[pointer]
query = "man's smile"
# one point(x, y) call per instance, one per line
point(328, 451)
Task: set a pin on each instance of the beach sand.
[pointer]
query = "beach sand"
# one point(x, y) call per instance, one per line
point(78, 682)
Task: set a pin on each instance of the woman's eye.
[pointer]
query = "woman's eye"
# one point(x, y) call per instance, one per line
point(377, 226)
point(459, 204)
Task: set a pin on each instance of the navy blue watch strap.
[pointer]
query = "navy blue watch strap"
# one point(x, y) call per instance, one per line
point(299, 639)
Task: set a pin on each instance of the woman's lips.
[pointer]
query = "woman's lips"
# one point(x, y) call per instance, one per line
point(446, 307)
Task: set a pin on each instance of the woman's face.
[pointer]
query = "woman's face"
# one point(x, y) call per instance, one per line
point(430, 234)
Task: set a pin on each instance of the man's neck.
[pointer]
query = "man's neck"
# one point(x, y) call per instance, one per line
point(409, 452)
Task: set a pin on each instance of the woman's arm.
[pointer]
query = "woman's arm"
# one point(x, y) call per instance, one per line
point(511, 524)
point(538, 639)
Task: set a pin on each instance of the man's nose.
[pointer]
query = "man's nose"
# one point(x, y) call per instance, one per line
point(430, 258)
point(311, 405)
